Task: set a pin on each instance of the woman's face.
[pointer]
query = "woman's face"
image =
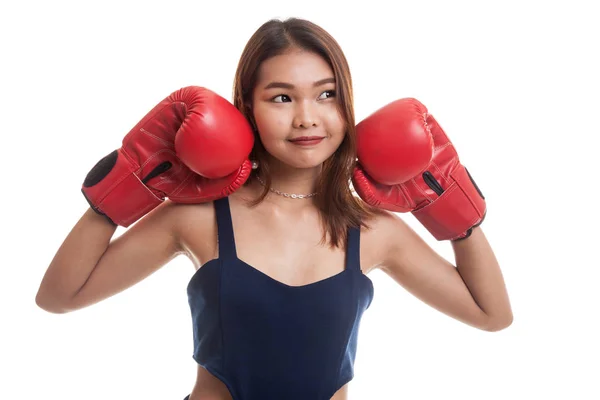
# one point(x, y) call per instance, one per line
point(295, 109)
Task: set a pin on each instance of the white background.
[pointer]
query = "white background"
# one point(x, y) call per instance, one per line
point(514, 84)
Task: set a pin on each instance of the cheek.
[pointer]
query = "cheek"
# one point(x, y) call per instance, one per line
point(270, 124)
point(335, 125)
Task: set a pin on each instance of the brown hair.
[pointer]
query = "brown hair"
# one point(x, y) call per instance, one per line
point(338, 207)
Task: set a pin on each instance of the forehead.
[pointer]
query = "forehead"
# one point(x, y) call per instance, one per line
point(298, 67)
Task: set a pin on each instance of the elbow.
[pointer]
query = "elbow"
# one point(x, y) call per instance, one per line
point(498, 324)
point(51, 309)
point(51, 306)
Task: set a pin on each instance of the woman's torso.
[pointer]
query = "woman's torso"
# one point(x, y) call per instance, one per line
point(284, 246)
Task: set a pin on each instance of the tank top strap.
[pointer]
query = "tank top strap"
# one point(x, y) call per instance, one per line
point(225, 238)
point(353, 249)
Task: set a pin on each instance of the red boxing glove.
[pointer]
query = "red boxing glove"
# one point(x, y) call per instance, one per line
point(192, 147)
point(407, 163)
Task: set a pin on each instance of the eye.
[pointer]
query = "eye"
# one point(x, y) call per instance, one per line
point(331, 93)
point(282, 96)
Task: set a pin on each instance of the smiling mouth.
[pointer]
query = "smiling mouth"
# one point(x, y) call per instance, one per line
point(307, 139)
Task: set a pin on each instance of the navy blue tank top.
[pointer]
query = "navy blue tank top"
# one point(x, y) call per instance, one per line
point(265, 339)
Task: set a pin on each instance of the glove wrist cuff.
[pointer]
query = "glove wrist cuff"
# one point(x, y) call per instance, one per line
point(113, 189)
point(459, 208)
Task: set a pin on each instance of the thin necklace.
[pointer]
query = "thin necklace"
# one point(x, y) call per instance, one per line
point(289, 195)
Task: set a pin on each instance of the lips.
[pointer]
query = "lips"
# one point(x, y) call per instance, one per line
point(306, 138)
point(307, 141)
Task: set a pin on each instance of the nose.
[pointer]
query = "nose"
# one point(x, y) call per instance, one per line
point(306, 116)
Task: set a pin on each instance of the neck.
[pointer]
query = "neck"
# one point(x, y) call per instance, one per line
point(291, 185)
point(293, 180)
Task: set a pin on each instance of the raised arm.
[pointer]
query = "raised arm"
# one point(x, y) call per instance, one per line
point(192, 147)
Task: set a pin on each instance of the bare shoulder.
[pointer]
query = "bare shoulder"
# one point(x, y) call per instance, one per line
point(196, 230)
point(381, 238)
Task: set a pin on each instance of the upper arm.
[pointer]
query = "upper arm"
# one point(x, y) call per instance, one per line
point(412, 263)
point(140, 251)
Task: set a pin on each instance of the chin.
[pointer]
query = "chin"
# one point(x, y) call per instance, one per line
point(305, 162)
point(301, 164)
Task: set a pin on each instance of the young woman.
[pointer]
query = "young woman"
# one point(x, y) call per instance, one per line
point(259, 198)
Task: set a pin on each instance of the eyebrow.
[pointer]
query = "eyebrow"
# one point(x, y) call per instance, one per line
point(289, 86)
